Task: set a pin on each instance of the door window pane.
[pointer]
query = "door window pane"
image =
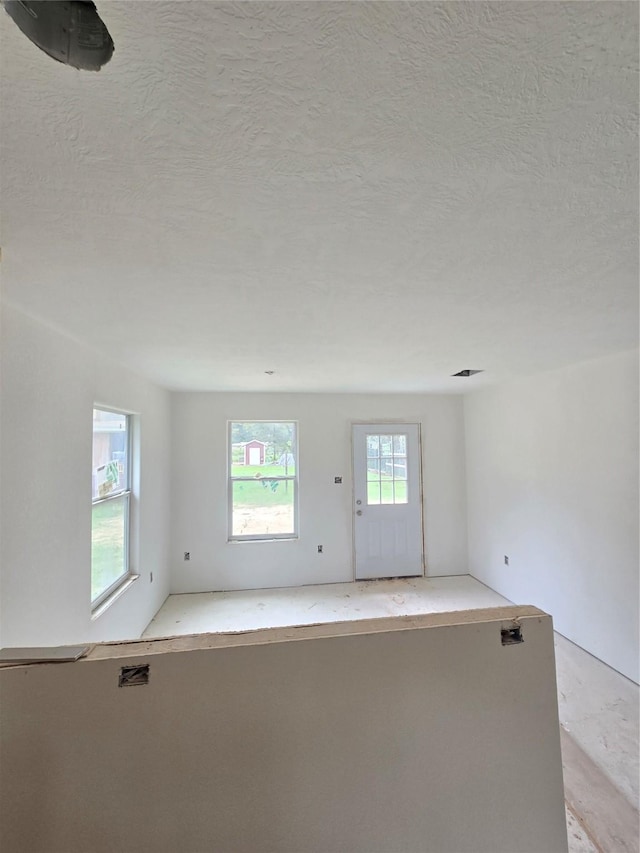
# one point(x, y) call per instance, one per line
point(400, 467)
point(399, 445)
point(387, 469)
point(386, 466)
point(373, 444)
point(400, 492)
point(386, 491)
point(373, 469)
point(373, 492)
point(386, 445)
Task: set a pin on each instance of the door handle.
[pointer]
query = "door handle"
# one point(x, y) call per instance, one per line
point(358, 512)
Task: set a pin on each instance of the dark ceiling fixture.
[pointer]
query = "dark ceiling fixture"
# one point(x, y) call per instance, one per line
point(70, 31)
point(467, 372)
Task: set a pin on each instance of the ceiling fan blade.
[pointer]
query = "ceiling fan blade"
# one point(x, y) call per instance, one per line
point(70, 31)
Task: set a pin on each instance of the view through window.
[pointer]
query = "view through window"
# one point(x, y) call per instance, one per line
point(263, 479)
point(387, 469)
point(110, 503)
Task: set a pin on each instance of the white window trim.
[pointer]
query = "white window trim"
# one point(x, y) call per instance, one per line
point(261, 537)
point(100, 603)
point(124, 585)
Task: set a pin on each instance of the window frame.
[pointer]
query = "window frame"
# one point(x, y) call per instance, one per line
point(125, 493)
point(231, 479)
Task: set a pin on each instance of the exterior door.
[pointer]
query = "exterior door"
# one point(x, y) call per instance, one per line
point(387, 510)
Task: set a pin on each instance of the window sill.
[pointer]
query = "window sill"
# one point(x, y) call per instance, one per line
point(106, 604)
point(266, 539)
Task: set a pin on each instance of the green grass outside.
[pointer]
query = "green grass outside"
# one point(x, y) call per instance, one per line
point(107, 545)
point(262, 492)
point(263, 470)
point(385, 495)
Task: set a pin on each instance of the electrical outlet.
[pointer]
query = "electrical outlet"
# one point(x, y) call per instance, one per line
point(319, 549)
point(511, 636)
point(130, 676)
point(506, 560)
point(187, 555)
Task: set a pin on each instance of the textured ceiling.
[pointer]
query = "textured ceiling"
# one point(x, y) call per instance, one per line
point(360, 196)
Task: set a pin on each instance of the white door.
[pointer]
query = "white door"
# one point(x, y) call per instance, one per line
point(254, 456)
point(387, 498)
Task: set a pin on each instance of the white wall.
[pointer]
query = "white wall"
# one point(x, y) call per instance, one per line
point(293, 740)
point(199, 490)
point(49, 386)
point(552, 482)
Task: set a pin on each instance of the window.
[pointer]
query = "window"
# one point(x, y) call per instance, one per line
point(110, 496)
point(263, 480)
point(387, 469)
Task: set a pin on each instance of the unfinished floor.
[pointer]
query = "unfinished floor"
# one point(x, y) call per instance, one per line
point(598, 707)
point(248, 610)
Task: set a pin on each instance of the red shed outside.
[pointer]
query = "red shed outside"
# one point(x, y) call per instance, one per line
point(254, 452)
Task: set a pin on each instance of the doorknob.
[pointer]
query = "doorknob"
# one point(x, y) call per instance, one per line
point(358, 502)
point(358, 512)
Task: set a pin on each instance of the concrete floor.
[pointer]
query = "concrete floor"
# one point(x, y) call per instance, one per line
point(598, 707)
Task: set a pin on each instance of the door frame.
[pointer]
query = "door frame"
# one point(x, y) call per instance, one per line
point(391, 422)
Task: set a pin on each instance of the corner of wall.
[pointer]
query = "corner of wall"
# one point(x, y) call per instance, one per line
point(552, 483)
